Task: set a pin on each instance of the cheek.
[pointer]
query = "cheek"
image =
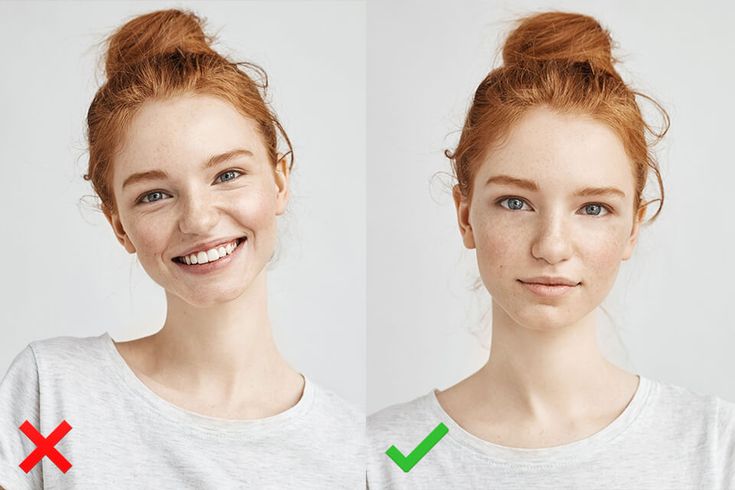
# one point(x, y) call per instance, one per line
point(147, 236)
point(255, 208)
point(499, 246)
point(601, 255)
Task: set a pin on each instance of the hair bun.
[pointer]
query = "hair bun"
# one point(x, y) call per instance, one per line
point(149, 35)
point(560, 36)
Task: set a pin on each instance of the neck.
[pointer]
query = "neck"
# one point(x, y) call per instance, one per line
point(220, 347)
point(542, 372)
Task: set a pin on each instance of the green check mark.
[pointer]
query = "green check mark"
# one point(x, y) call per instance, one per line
point(408, 462)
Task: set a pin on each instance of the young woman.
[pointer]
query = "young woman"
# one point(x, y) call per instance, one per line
point(550, 167)
point(192, 169)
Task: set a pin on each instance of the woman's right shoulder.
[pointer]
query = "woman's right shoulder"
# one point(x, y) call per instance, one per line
point(404, 419)
point(60, 353)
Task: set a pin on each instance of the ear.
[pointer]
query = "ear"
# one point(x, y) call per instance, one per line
point(633, 239)
point(281, 174)
point(462, 205)
point(117, 227)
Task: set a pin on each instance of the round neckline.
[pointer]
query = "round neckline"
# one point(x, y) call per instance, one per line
point(200, 422)
point(571, 452)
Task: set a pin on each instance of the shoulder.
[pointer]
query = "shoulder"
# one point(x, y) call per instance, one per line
point(337, 428)
point(402, 421)
point(335, 410)
point(685, 402)
point(40, 356)
point(401, 413)
point(67, 353)
point(689, 410)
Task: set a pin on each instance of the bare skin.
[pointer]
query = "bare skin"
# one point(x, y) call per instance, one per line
point(215, 354)
point(546, 382)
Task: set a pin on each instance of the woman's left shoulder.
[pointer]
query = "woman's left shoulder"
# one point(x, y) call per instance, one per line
point(693, 403)
point(333, 407)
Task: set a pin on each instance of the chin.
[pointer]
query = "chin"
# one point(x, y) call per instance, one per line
point(542, 317)
point(544, 324)
point(213, 298)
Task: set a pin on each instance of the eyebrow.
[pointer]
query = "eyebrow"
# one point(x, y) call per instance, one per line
point(160, 174)
point(533, 186)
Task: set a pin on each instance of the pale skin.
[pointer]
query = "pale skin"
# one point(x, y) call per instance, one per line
point(546, 382)
point(215, 354)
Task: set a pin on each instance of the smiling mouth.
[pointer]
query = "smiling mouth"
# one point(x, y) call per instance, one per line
point(182, 260)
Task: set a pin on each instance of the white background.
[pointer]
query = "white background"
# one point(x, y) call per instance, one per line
point(63, 271)
point(672, 304)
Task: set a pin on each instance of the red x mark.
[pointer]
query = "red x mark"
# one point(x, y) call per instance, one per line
point(45, 446)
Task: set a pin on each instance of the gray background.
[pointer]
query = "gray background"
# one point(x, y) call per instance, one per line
point(65, 274)
point(671, 308)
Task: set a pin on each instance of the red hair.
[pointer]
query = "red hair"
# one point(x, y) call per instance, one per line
point(161, 55)
point(564, 61)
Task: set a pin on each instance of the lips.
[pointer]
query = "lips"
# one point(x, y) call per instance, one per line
point(550, 281)
point(203, 247)
point(548, 290)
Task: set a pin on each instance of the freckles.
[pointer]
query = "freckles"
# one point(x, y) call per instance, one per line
point(145, 237)
point(606, 250)
point(256, 207)
point(496, 248)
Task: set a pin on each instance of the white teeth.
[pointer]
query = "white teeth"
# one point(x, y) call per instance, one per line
point(204, 257)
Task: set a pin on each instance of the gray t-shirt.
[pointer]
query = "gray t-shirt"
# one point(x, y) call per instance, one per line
point(666, 438)
point(123, 435)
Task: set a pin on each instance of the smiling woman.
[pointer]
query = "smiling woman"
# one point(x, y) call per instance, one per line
point(192, 167)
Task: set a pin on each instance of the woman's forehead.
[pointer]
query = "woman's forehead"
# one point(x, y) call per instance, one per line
point(184, 129)
point(560, 150)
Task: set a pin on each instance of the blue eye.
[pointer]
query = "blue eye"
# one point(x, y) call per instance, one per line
point(229, 172)
point(516, 204)
point(596, 206)
point(142, 200)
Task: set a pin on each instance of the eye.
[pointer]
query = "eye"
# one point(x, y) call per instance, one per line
point(514, 203)
point(595, 208)
point(229, 172)
point(143, 200)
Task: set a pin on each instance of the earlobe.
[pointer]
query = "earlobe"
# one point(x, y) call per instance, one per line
point(462, 205)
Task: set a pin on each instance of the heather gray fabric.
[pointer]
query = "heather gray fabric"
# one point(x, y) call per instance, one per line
point(667, 438)
point(125, 436)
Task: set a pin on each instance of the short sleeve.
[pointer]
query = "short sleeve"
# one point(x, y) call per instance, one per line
point(19, 401)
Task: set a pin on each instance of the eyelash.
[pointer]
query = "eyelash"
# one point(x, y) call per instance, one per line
point(140, 200)
point(604, 206)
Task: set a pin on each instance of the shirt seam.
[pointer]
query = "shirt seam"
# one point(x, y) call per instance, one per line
point(487, 458)
point(221, 432)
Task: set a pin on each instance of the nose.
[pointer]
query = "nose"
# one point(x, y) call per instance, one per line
point(553, 241)
point(198, 213)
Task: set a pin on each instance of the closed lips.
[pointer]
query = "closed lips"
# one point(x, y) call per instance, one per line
point(550, 281)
